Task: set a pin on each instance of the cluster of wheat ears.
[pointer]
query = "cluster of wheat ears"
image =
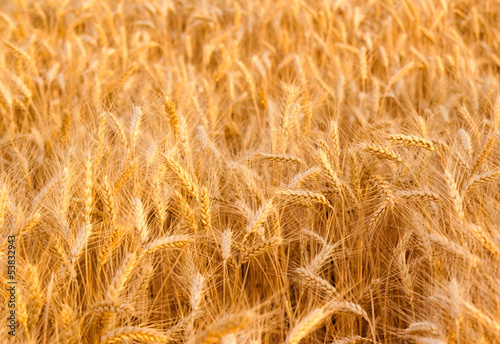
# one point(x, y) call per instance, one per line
point(262, 171)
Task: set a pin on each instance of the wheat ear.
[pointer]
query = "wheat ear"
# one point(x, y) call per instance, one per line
point(482, 178)
point(325, 163)
point(35, 296)
point(185, 179)
point(345, 307)
point(172, 116)
point(143, 334)
point(175, 241)
point(418, 195)
point(457, 249)
point(231, 324)
point(205, 214)
point(302, 197)
point(482, 317)
point(109, 246)
point(465, 140)
point(122, 275)
point(69, 324)
point(259, 218)
point(314, 281)
point(256, 250)
point(113, 306)
point(483, 237)
point(119, 128)
point(423, 327)
point(456, 197)
point(411, 140)
point(282, 158)
point(320, 259)
point(312, 320)
point(303, 177)
point(381, 152)
point(395, 79)
point(3, 204)
point(488, 147)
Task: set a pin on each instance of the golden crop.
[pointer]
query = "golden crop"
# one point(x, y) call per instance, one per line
point(216, 171)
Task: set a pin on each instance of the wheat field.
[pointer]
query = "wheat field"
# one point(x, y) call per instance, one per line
point(216, 171)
